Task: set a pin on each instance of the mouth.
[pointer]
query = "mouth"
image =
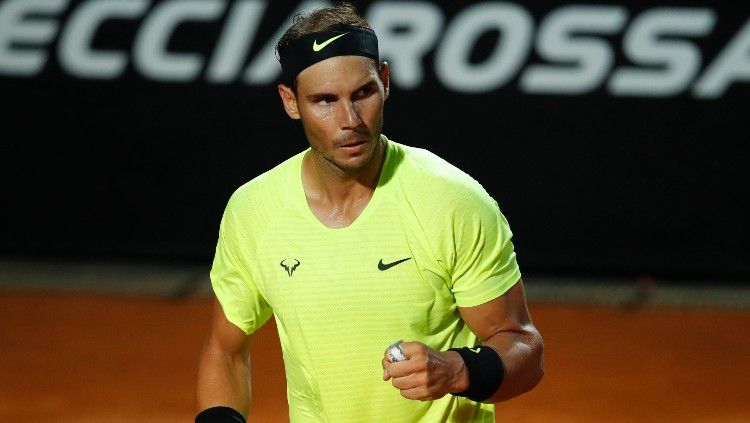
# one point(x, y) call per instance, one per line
point(353, 144)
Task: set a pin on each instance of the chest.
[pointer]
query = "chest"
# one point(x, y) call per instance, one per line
point(368, 273)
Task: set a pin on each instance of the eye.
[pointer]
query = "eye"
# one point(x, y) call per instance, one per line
point(364, 92)
point(326, 99)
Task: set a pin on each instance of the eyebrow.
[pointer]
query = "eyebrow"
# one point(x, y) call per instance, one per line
point(368, 84)
point(321, 95)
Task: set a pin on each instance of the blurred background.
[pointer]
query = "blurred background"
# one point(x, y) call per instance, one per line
point(613, 134)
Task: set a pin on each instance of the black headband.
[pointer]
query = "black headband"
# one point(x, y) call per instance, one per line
point(312, 48)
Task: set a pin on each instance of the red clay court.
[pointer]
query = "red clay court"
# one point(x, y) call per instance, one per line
point(68, 354)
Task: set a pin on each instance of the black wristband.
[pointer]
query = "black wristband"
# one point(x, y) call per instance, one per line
point(486, 372)
point(219, 415)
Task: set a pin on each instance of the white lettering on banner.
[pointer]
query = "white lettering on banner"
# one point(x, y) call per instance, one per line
point(235, 41)
point(406, 33)
point(15, 28)
point(74, 50)
point(674, 63)
point(575, 44)
point(150, 53)
point(452, 65)
point(264, 69)
point(586, 60)
point(733, 64)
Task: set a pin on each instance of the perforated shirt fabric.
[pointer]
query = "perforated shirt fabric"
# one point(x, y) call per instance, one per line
point(338, 296)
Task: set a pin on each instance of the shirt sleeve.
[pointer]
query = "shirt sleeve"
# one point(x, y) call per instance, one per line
point(242, 302)
point(485, 265)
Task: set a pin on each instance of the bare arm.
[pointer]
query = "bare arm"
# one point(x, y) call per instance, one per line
point(224, 367)
point(502, 324)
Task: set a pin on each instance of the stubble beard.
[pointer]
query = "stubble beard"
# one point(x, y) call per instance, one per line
point(344, 168)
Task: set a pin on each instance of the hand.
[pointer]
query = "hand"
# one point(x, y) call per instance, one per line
point(426, 374)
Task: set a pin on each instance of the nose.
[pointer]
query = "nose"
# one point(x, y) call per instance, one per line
point(350, 118)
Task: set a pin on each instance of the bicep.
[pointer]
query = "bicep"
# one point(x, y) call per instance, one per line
point(226, 336)
point(223, 371)
point(506, 313)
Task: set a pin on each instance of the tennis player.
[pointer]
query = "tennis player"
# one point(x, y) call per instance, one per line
point(355, 243)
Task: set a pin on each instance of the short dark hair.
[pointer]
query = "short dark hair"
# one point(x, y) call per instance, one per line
point(321, 20)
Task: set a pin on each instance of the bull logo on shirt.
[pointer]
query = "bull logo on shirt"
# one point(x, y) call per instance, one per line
point(290, 265)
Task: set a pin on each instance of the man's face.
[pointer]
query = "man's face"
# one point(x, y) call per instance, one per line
point(340, 102)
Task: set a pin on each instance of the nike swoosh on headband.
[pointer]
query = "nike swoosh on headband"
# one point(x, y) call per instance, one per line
point(317, 47)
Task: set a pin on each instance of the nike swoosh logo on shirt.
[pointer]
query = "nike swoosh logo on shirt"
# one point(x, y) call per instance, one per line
point(475, 350)
point(386, 266)
point(321, 46)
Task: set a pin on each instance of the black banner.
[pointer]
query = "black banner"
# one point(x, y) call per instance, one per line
point(614, 135)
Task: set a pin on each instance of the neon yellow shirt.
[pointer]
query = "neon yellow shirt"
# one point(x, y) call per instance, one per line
point(339, 296)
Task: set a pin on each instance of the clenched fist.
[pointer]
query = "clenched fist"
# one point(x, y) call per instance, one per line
point(426, 374)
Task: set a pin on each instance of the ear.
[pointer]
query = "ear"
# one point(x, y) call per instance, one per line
point(289, 99)
point(385, 77)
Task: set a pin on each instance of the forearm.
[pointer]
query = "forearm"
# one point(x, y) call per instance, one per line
point(223, 380)
point(504, 326)
point(522, 355)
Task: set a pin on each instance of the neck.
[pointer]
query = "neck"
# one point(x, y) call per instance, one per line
point(325, 181)
point(337, 196)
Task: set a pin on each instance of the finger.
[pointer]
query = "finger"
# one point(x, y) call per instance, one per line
point(385, 363)
point(414, 349)
point(401, 368)
point(406, 382)
point(386, 373)
point(419, 394)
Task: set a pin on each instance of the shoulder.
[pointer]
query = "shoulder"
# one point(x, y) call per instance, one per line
point(263, 195)
point(434, 179)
